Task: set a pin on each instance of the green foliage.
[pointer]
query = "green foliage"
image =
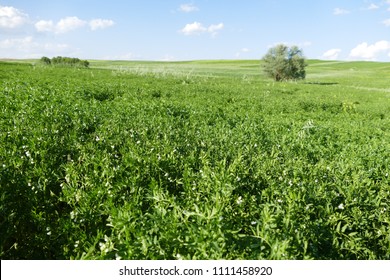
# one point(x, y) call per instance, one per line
point(135, 163)
point(45, 60)
point(64, 61)
point(283, 63)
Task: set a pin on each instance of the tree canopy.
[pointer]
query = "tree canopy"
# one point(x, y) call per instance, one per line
point(284, 63)
point(64, 61)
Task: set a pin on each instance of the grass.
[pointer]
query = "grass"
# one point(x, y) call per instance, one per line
point(194, 160)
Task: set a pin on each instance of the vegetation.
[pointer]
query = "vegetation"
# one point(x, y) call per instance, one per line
point(64, 61)
point(194, 160)
point(285, 63)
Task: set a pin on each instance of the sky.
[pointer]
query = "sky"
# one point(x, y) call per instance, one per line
point(176, 30)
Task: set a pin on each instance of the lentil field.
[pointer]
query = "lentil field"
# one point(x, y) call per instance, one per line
point(194, 160)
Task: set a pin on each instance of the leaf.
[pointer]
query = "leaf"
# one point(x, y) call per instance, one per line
point(338, 226)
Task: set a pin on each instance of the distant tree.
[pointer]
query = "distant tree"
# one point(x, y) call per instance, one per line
point(45, 60)
point(284, 63)
point(85, 63)
point(65, 61)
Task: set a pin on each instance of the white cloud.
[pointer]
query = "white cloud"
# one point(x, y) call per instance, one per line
point(188, 8)
point(44, 26)
point(373, 7)
point(386, 22)
point(16, 42)
point(194, 28)
point(28, 47)
point(71, 23)
point(11, 17)
point(68, 24)
point(242, 51)
point(339, 11)
point(214, 28)
point(370, 52)
point(331, 54)
point(63, 26)
point(100, 23)
point(197, 28)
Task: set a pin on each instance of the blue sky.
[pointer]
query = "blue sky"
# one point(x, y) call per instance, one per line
point(194, 29)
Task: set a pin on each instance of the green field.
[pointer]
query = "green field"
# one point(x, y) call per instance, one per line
point(194, 160)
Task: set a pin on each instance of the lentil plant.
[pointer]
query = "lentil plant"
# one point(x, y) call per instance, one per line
point(211, 161)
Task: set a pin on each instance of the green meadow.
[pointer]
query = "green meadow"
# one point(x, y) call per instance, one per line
point(194, 160)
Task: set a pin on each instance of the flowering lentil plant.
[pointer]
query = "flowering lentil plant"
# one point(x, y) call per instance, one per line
point(208, 161)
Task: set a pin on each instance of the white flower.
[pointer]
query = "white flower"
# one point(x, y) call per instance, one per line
point(279, 200)
point(341, 206)
point(239, 200)
point(107, 246)
point(73, 215)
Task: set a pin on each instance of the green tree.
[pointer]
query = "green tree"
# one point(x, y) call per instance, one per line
point(65, 61)
point(45, 60)
point(284, 63)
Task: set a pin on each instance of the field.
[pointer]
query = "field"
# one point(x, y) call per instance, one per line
point(194, 160)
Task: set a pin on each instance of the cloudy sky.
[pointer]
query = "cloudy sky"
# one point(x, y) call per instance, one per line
point(194, 29)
